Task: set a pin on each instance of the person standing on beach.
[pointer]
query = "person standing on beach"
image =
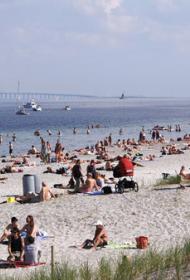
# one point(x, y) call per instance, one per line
point(1, 139)
point(77, 175)
point(10, 149)
point(59, 133)
point(110, 139)
point(58, 151)
point(43, 152)
point(14, 137)
point(74, 130)
point(48, 147)
point(91, 169)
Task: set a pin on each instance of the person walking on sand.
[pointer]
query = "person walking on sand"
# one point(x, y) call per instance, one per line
point(77, 175)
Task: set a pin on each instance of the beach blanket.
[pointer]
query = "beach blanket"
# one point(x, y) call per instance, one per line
point(125, 245)
point(17, 264)
point(109, 190)
point(95, 193)
point(41, 235)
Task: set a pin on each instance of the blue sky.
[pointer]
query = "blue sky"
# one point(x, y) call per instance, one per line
point(97, 47)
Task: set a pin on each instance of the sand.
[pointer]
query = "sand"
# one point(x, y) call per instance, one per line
point(163, 214)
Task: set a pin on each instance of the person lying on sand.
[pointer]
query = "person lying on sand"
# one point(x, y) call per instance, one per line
point(29, 197)
point(3, 178)
point(90, 184)
point(10, 169)
point(8, 230)
point(100, 238)
point(184, 174)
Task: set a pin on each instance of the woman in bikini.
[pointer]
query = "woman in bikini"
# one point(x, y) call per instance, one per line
point(30, 227)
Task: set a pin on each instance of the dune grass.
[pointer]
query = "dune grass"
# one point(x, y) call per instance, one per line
point(150, 265)
point(171, 180)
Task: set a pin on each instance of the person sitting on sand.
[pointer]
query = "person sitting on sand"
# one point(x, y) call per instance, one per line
point(15, 246)
point(32, 151)
point(108, 166)
point(31, 251)
point(46, 193)
point(100, 180)
point(90, 184)
point(8, 230)
point(100, 238)
point(184, 174)
point(30, 227)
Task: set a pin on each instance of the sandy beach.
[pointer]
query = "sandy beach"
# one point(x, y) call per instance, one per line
point(162, 213)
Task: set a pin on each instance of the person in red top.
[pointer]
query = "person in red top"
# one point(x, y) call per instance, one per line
point(126, 166)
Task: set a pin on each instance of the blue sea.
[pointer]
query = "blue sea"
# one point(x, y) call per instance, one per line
point(130, 114)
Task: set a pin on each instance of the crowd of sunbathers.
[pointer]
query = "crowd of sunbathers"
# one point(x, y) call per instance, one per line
point(22, 242)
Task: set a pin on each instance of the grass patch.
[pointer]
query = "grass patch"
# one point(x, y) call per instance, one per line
point(150, 265)
point(171, 180)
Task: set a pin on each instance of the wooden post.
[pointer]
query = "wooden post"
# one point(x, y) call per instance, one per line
point(52, 262)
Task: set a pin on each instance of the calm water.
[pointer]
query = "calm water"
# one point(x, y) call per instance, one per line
point(111, 114)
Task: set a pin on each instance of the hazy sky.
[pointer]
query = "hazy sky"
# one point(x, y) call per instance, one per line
point(98, 47)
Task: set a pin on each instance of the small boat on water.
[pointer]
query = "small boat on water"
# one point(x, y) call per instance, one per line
point(22, 111)
point(67, 108)
point(159, 127)
point(38, 108)
point(30, 105)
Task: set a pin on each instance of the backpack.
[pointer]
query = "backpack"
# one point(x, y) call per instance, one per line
point(116, 172)
point(107, 190)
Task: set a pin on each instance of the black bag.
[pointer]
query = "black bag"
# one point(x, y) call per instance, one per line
point(61, 170)
point(117, 172)
point(71, 183)
point(88, 244)
point(107, 190)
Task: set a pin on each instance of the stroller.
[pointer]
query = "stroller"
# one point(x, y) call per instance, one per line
point(125, 183)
